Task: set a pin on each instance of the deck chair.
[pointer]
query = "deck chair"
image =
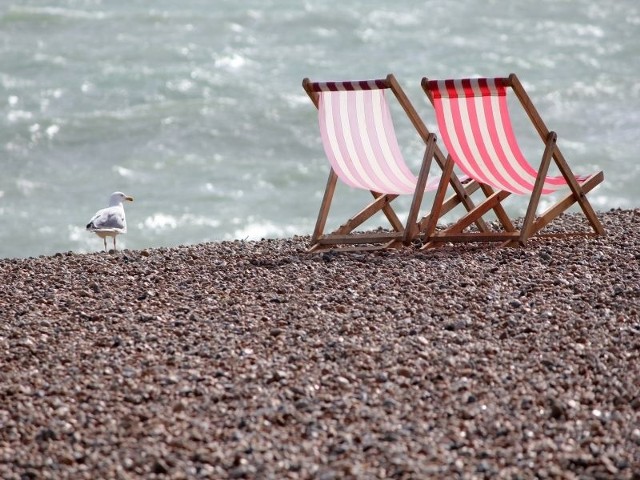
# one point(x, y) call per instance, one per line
point(476, 129)
point(360, 143)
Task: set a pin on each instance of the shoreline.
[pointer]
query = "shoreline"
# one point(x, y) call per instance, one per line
point(253, 359)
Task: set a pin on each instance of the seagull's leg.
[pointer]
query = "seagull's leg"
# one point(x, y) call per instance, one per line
point(114, 243)
point(105, 243)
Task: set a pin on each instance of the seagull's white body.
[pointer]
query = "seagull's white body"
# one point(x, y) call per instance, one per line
point(110, 221)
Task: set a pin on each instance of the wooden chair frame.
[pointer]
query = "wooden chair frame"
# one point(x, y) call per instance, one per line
point(344, 238)
point(532, 224)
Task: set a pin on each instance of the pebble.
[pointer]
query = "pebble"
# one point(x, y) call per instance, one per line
point(257, 360)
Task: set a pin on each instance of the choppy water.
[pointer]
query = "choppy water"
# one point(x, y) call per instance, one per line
point(195, 107)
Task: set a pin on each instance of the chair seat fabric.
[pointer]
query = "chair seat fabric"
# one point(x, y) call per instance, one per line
point(360, 142)
point(476, 128)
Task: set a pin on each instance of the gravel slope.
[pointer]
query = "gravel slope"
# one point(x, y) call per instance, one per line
point(256, 360)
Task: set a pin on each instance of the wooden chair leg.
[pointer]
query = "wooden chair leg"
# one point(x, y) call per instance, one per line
point(559, 207)
point(462, 191)
point(324, 207)
point(525, 231)
point(543, 131)
point(579, 192)
point(439, 198)
point(411, 229)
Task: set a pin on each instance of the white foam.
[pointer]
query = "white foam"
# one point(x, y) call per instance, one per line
point(253, 229)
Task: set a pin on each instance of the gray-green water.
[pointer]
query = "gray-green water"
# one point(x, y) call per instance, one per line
point(195, 107)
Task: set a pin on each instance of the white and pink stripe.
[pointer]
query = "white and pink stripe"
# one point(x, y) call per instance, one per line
point(359, 138)
point(475, 125)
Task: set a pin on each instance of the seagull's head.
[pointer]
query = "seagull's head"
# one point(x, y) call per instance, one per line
point(118, 197)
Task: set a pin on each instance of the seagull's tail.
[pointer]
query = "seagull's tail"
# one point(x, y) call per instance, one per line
point(90, 226)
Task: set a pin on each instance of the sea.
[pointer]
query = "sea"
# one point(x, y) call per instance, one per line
point(195, 108)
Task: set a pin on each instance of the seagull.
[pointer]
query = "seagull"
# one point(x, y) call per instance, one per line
point(110, 221)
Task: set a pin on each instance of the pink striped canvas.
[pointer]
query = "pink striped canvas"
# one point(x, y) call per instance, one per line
point(476, 129)
point(359, 138)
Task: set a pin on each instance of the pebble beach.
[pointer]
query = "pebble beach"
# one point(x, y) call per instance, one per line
point(254, 359)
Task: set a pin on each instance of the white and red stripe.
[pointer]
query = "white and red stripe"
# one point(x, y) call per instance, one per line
point(475, 125)
point(359, 138)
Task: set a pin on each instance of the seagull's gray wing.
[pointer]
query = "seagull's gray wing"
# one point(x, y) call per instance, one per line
point(111, 218)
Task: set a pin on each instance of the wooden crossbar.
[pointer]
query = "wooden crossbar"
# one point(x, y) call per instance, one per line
point(356, 238)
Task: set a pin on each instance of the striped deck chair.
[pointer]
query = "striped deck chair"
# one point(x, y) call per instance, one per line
point(476, 129)
point(360, 143)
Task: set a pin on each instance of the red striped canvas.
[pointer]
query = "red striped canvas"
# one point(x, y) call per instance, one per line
point(476, 129)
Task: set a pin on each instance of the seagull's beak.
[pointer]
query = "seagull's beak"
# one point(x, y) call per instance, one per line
point(129, 198)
